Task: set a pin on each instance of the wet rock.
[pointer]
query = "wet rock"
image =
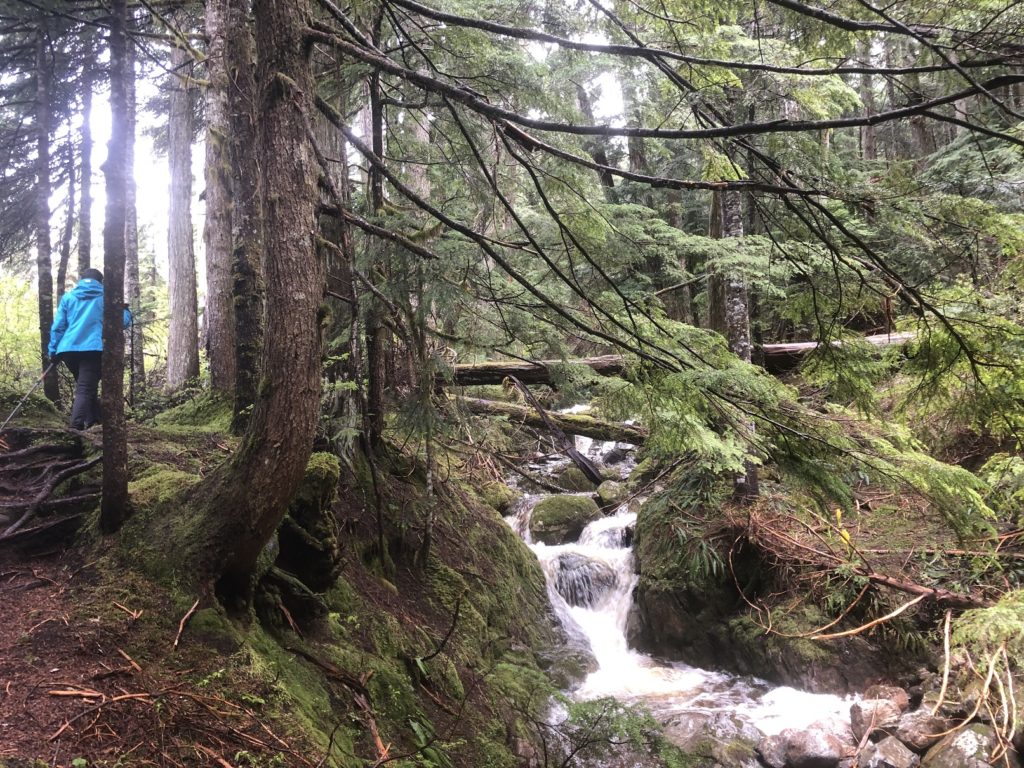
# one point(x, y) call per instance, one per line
point(721, 739)
point(570, 660)
point(970, 747)
point(814, 747)
point(561, 519)
point(618, 454)
point(919, 729)
point(872, 715)
point(888, 753)
point(582, 580)
point(610, 494)
point(893, 693)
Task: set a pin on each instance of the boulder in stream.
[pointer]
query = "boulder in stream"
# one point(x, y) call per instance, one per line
point(723, 739)
point(572, 478)
point(872, 715)
point(610, 494)
point(582, 580)
point(888, 753)
point(920, 729)
point(818, 746)
point(970, 747)
point(561, 519)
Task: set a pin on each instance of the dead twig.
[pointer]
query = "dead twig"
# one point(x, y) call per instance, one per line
point(184, 621)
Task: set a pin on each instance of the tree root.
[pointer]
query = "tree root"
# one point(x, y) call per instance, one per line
point(50, 485)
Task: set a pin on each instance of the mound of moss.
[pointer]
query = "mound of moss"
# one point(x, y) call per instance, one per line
point(561, 519)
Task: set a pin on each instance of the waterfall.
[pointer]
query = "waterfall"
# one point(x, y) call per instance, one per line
point(590, 583)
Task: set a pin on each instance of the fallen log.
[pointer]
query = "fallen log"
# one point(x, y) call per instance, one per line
point(778, 358)
point(527, 371)
point(573, 424)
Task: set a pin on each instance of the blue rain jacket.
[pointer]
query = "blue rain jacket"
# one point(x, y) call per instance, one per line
point(78, 326)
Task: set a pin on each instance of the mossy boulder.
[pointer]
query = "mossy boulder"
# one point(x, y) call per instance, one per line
point(499, 497)
point(610, 494)
point(561, 519)
point(571, 478)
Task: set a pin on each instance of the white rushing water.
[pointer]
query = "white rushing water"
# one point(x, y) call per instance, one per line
point(597, 575)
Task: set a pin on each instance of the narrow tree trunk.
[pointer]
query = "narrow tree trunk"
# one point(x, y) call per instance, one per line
point(597, 147)
point(183, 336)
point(716, 280)
point(114, 505)
point(249, 495)
point(219, 315)
point(247, 290)
point(69, 223)
point(376, 332)
point(85, 211)
point(132, 281)
point(44, 261)
point(868, 134)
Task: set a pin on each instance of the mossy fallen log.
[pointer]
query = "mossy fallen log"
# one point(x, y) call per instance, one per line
point(778, 358)
point(572, 424)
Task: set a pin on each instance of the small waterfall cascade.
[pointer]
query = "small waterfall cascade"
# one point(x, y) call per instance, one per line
point(590, 583)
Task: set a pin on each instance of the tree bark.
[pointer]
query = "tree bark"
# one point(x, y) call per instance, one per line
point(868, 134)
point(114, 504)
point(572, 424)
point(69, 223)
point(248, 496)
point(247, 287)
point(44, 256)
point(85, 211)
point(183, 336)
point(219, 315)
point(132, 281)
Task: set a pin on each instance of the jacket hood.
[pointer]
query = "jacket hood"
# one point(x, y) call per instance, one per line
point(88, 288)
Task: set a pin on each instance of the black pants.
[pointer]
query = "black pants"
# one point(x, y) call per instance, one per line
point(85, 367)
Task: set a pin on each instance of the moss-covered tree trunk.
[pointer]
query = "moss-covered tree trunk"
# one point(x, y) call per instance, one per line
point(219, 316)
point(247, 290)
point(246, 499)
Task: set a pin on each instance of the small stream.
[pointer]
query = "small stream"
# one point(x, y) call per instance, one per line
point(591, 582)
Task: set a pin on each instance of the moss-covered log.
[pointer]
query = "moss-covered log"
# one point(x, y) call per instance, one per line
point(778, 358)
point(573, 424)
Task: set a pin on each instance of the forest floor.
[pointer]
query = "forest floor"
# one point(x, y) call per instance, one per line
point(86, 677)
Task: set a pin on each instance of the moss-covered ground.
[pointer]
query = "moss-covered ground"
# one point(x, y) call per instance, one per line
point(432, 655)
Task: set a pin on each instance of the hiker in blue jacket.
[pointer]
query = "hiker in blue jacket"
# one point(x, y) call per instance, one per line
point(76, 339)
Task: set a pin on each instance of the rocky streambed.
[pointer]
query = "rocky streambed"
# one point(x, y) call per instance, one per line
point(583, 541)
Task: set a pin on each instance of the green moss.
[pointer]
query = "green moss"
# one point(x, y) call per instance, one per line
point(499, 497)
point(37, 411)
point(158, 486)
point(208, 412)
point(572, 479)
point(558, 519)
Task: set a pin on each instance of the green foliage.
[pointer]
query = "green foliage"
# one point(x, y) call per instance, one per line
point(19, 333)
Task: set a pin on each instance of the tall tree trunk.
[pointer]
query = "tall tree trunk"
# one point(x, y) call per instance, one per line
point(69, 222)
point(183, 336)
point(44, 260)
point(85, 211)
point(132, 281)
point(219, 315)
point(247, 289)
point(376, 332)
point(716, 280)
point(247, 501)
point(114, 504)
point(737, 329)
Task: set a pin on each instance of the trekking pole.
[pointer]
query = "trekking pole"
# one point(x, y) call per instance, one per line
point(28, 395)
